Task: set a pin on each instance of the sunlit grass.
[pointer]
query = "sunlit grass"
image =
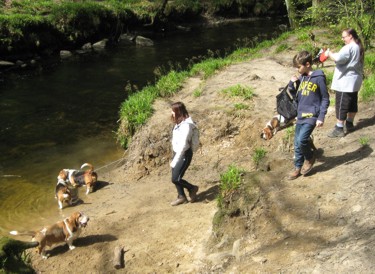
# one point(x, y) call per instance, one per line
point(239, 91)
point(364, 140)
point(240, 106)
point(208, 67)
point(281, 48)
point(367, 91)
point(197, 92)
point(229, 182)
point(259, 154)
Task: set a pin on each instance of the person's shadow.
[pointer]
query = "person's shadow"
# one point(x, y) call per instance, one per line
point(209, 194)
point(362, 123)
point(347, 158)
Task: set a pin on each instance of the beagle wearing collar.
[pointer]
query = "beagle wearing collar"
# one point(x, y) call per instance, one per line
point(66, 230)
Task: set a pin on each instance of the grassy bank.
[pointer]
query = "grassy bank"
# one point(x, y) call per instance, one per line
point(45, 26)
point(135, 111)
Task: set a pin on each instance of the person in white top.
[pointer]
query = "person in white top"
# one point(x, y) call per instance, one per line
point(347, 80)
point(182, 153)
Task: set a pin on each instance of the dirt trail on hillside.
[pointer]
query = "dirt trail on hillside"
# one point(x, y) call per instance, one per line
point(320, 223)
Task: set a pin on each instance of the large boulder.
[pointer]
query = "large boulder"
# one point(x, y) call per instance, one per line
point(143, 41)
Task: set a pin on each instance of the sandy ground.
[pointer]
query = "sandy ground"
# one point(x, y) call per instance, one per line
point(321, 223)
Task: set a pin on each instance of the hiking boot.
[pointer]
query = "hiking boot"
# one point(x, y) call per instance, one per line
point(336, 132)
point(193, 194)
point(295, 174)
point(308, 165)
point(349, 126)
point(180, 200)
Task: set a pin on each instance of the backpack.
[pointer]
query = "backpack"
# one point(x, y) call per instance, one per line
point(194, 142)
point(286, 104)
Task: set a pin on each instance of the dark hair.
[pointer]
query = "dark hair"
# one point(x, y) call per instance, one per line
point(358, 41)
point(302, 58)
point(180, 112)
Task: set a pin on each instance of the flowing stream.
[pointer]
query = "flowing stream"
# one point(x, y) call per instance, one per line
point(66, 114)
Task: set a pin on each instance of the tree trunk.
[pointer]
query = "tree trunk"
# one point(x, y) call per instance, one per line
point(316, 4)
point(291, 13)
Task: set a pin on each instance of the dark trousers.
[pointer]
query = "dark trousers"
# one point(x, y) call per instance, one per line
point(178, 172)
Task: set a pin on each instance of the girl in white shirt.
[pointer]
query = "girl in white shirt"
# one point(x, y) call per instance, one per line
point(182, 153)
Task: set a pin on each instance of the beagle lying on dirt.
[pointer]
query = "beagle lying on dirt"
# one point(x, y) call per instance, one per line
point(69, 179)
point(66, 230)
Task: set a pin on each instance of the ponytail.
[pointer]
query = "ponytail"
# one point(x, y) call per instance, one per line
point(358, 41)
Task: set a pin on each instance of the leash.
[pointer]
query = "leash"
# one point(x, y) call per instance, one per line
point(122, 158)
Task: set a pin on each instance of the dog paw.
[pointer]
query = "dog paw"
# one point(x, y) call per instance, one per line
point(71, 247)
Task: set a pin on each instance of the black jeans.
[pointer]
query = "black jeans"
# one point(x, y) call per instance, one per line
point(178, 172)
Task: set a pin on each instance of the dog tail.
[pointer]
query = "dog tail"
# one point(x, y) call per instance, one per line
point(24, 233)
point(90, 166)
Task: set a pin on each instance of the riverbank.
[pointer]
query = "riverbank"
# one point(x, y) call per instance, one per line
point(45, 28)
point(320, 223)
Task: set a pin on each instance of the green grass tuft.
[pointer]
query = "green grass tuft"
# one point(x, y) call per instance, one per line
point(259, 154)
point(229, 182)
point(239, 91)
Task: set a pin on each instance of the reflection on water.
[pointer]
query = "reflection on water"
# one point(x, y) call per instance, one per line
point(66, 115)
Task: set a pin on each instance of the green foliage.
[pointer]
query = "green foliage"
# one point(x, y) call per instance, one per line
point(329, 76)
point(370, 62)
point(82, 20)
point(134, 112)
point(332, 99)
point(259, 154)
point(230, 181)
point(367, 91)
point(249, 53)
point(304, 36)
point(197, 92)
point(239, 91)
point(171, 83)
point(364, 140)
point(288, 137)
point(208, 67)
point(240, 106)
point(16, 30)
point(368, 88)
point(281, 48)
point(306, 46)
point(357, 14)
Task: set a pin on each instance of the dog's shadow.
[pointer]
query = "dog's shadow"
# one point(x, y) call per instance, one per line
point(81, 242)
point(99, 185)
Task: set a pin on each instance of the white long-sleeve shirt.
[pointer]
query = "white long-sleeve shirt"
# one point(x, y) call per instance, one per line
point(182, 134)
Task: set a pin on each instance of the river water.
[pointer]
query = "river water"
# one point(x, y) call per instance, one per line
point(66, 114)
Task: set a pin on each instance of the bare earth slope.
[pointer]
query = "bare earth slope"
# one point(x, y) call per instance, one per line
point(319, 223)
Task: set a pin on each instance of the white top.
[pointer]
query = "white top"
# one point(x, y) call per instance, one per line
point(348, 73)
point(181, 137)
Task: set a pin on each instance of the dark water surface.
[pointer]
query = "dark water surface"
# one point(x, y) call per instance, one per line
point(66, 114)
